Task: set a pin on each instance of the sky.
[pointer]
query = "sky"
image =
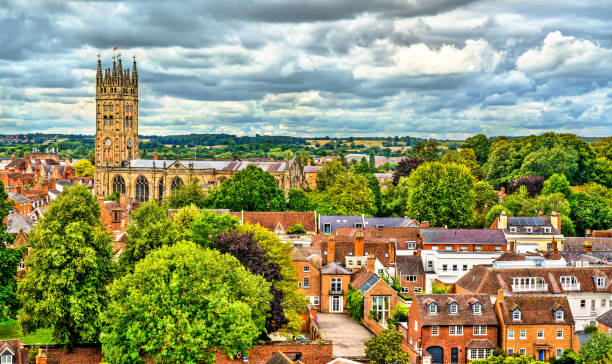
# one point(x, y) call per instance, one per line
point(426, 68)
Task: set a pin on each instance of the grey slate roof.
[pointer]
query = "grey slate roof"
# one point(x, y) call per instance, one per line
point(606, 318)
point(337, 221)
point(18, 198)
point(463, 236)
point(209, 164)
point(16, 223)
point(334, 268)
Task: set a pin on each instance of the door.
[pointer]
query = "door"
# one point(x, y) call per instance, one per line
point(335, 304)
point(454, 355)
point(437, 354)
point(541, 355)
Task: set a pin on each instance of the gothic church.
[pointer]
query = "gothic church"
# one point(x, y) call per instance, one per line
point(118, 167)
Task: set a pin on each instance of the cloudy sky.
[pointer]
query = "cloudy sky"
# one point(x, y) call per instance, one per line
point(429, 68)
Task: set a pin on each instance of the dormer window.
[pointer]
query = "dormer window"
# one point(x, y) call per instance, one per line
point(358, 225)
point(600, 282)
point(547, 229)
point(512, 229)
point(433, 309)
point(528, 230)
point(454, 308)
point(516, 315)
point(477, 308)
point(559, 315)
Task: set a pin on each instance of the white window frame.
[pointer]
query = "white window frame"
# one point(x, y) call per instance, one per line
point(433, 308)
point(510, 351)
point(465, 267)
point(547, 229)
point(528, 229)
point(540, 334)
point(522, 351)
point(559, 315)
point(435, 330)
point(464, 248)
point(411, 245)
point(512, 229)
point(559, 331)
point(306, 269)
point(453, 308)
point(523, 335)
point(559, 352)
point(516, 315)
point(326, 228)
point(411, 278)
point(405, 290)
point(477, 308)
point(455, 330)
point(306, 283)
point(510, 334)
point(6, 359)
point(418, 289)
point(600, 282)
point(315, 300)
point(478, 249)
point(480, 330)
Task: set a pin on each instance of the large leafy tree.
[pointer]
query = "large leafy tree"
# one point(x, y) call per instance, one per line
point(590, 212)
point(70, 264)
point(83, 168)
point(405, 167)
point(557, 183)
point(253, 257)
point(349, 194)
point(149, 229)
point(280, 253)
point(443, 194)
point(596, 347)
point(480, 144)
point(427, 150)
point(207, 225)
point(251, 189)
point(386, 348)
point(533, 183)
point(186, 195)
point(9, 258)
point(299, 201)
point(485, 196)
point(182, 304)
point(329, 173)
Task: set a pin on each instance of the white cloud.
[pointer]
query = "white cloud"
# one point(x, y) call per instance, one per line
point(419, 59)
point(565, 55)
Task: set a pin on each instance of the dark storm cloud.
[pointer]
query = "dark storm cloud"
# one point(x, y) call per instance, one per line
point(379, 67)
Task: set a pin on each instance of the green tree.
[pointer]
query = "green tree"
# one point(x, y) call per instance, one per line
point(590, 212)
point(70, 264)
point(508, 360)
point(182, 219)
point(188, 194)
point(251, 189)
point(467, 157)
point(296, 228)
point(557, 183)
point(547, 161)
point(150, 228)
point(298, 201)
point(480, 144)
point(443, 194)
point(207, 225)
point(427, 151)
point(567, 226)
point(603, 171)
point(349, 195)
point(83, 168)
point(354, 303)
point(596, 347)
point(439, 288)
point(450, 156)
point(485, 195)
point(294, 302)
point(9, 258)
point(399, 314)
point(182, 304)
point(329, 173)
point(386, 348)
point(493, 213)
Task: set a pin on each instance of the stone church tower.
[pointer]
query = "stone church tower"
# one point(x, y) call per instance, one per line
point(116, 115)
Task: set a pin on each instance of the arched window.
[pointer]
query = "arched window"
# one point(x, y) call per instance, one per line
point(110, 120)
point(119, 184)
point(105, 121)
point(142, 189)
point(160, 189)
point(176, 183)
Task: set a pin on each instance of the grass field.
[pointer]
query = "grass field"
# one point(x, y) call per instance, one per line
point(10, 330)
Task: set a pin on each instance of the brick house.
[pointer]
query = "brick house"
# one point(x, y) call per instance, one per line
point(604, 322)
point(528, 234)
point(406, 239)
point(307, 261)
point(310, 174)
point(410, 272)
point(540, 326)
point(451, 328)
point(464, 240)
point(10, 352)
point(358, 248)
point(378, 296)
point(335, 280)
point(21, 204)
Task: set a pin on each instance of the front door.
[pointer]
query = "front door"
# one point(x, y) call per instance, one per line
point(454, 355)
point(335, 304)
point(541, 355)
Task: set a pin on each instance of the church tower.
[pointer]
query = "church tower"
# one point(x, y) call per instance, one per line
point(116, 115)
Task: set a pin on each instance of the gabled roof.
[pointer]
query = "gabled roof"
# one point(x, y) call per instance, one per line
point(334, 268)
point(606, 318)
point(463, 236)
point(17, 223)
point(409, 265)
point(465, 314)
point(536, 309)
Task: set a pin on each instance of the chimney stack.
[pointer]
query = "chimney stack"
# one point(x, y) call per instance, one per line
point(371, 264)
point(155, 156)
point(13, 158)
point(359, 243)
point(500, 295)
point(331, 248)
point(41, 358)
point(424, 224)
point(502, 222)
point(555, 220)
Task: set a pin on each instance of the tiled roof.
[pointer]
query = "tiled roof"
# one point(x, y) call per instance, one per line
point(302, 253)
point(409, 265)
point(375, 247)
point(220, 165)
point(577, 244)
point(337, 221)
point(11, 346)
point(400, 234)
point(481, 279)
point(18, 198)
point(480, 344)
point(606, 318)
point(274, 221)
point(465, 314)
point(17, 223)
point(334, 268)
point(312, 169)
point(463, 236)
point(360, 277)
point(510, 257)
point(536, 309)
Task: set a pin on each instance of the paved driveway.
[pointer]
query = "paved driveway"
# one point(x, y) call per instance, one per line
point(347, 335)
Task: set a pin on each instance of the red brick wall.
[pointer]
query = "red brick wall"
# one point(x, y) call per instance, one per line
point(420, 282)
point(312, 353)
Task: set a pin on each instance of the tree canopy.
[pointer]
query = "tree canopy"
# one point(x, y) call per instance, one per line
point(182, 304)
point(386, 348)
point(186, 195)
point(83, 168)
point(9, 258)
point(70, 264)
point(251, 189)
point(405, 167)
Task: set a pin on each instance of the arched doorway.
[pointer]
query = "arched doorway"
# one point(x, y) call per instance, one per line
point(142, 189)
point(119, 185)
point(437, 354)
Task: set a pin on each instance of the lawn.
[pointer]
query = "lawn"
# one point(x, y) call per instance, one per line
point(10, 330)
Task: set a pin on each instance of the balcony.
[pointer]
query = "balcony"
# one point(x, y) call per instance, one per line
point(530, 287)
point(571, 286)
point(336, 292)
